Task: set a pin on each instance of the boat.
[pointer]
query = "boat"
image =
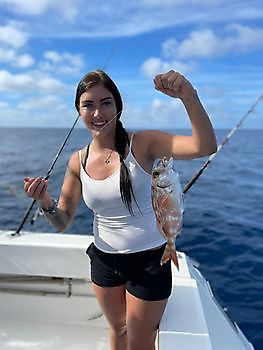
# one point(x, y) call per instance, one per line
point(47, 301)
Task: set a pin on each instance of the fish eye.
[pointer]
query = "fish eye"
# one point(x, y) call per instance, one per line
point(155, 173)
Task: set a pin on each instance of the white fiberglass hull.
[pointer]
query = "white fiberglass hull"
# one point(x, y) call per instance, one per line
point(47, 301)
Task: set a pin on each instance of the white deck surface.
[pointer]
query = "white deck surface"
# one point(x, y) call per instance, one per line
point(20, 335)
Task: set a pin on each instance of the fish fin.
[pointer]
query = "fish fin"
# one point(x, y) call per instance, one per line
point(169, 254)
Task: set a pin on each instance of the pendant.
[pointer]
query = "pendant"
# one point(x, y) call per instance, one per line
point(107, 160)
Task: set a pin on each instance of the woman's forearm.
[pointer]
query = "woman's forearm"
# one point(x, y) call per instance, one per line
point(202, 141)
point(56, 217)
point(202, 129)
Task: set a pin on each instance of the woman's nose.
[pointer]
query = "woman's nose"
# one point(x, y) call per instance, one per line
point(96, 112)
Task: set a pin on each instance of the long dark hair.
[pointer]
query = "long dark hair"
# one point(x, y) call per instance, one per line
point(121, 135)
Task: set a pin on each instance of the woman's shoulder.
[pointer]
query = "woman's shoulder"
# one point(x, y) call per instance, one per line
point(153, 143)
point(74, 161)
point(78, 154)
point(137, 137)
point(74, 156)
point(142, 141)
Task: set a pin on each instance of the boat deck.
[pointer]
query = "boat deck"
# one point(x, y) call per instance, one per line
point(47, 301)
point(32, 335)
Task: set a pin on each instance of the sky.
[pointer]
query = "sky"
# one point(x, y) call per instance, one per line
point(46, 46)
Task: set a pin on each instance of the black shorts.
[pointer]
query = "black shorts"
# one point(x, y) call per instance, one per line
point(140, 272)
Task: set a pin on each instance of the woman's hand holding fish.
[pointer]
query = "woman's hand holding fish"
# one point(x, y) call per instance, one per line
point(174, 84)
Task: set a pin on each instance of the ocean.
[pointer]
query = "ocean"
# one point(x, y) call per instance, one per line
point(223, 222)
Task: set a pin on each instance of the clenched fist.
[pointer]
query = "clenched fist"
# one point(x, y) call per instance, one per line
point(174, 84)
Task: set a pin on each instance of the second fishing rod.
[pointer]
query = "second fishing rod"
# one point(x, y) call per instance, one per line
point(29, 209)
point(224, 142)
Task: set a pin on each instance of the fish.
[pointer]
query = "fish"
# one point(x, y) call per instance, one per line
point(168, 205)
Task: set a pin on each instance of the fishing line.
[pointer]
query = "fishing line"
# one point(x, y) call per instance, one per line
point(229, 135)
point(104, 126)
point(28, 210)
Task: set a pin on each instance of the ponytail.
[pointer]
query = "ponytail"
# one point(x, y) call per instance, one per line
point(121, 140)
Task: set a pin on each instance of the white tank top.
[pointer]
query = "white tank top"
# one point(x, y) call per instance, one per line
point(115, 229)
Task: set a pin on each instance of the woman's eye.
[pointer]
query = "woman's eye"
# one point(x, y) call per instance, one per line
point(86, 106)
point(106, 103)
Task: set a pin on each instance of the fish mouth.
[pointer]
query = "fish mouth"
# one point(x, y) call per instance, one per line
point(163, 185)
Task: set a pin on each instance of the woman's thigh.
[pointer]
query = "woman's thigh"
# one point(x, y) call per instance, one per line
point(143, 318)
point(112, 301)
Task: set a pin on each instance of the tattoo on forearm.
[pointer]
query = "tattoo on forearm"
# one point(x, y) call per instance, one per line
point(58, 219)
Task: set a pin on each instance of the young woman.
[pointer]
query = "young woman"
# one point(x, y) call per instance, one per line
point(113, 174)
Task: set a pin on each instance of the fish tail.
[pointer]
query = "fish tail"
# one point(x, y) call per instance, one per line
point(175, 260)
point(170, 254)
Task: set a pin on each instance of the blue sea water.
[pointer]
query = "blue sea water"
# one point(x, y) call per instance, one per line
point(223, 223)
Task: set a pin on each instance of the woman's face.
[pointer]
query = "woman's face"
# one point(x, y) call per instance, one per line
point(97, 109)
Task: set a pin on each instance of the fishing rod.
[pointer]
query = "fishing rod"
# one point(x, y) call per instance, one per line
point(229, 135)
point(38, 211)
point(28, 210)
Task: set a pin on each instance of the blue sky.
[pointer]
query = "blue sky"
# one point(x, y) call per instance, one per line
point(46, 46)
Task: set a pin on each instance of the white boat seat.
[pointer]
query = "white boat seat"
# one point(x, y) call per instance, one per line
point(49, 255)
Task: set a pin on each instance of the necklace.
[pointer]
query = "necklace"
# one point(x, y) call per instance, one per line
point(107, 160)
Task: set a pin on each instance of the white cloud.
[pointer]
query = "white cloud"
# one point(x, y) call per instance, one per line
point(50, 112)
point(23, 61)
point(66, 8)
point(169, 47)
point(154, 65)
point(62, 62)
point(4, 105)
point(83, 18)
point(10, 56)
point(245, 38)
point(53, 56)
point(172, 3)
point(200, 43)
point(7, 55)
point(205, 43)
point(28, 83)
point(44, 102)
point(47, 84)
point(169, 112)
point(19, 82)
point(29, 7)
point(236, 38)
point(151, 66)
point(160, 114)
point(12, 37)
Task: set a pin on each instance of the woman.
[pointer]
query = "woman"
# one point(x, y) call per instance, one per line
point(114, 176)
